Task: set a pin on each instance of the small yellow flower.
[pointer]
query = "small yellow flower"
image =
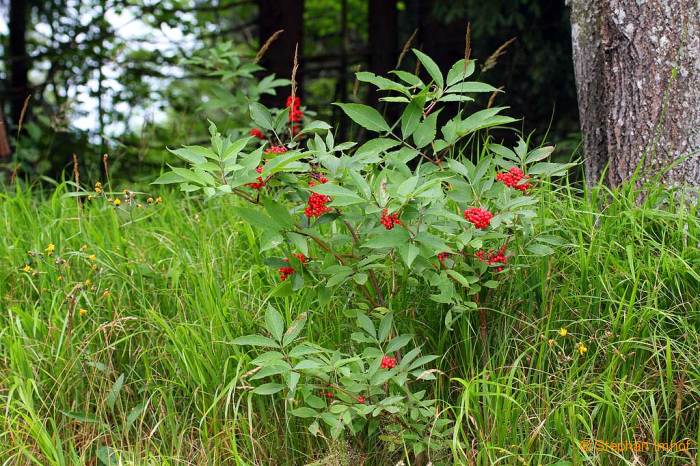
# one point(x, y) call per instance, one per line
point(59, 278)
point(140, 206)
point(98, 187)
point(26, 268)
point(50, 249)
point(106, 294)
point(88, 282)
point(92, 257)
point(82, 312)
point(563, 332)
point(89, 198)
point(159, 200)
point(581, 348)
point(117, 202)
point(149, 200)
point(83, 248)
point(550, 342)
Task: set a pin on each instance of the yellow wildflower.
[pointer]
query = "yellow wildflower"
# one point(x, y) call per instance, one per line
point(581, 348)
point(550, 342)
point(82, 312)
point(59, 278)
point(149, 200)
point(92, 257)
point(159, 200)
point(140, 206)
point(27, 268)
point(98, 187)
point(106, 294)
point(88, 282)
point(83, 247)
point(50, 249)
point(563, 332)
point(117, 202)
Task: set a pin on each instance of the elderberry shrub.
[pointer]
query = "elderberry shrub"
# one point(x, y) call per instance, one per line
point(403, 204)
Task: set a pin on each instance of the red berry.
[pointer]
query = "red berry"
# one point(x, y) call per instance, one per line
point(442, 256)
point(361, 399)
point(285, 272)
point(329, 394)
point(513, 178)
point(255, 132)
point(316, 205)
point(388, 362)
point(276, 150)
point(481, 218)
point(493, 257)
point(260, 183)
point(389, 220)
point(295, 113)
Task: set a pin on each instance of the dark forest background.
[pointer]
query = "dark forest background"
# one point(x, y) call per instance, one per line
point(126, 78)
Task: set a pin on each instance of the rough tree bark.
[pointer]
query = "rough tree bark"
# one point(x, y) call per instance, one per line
point(17, 58)
point(279, 58)
point(637, 66)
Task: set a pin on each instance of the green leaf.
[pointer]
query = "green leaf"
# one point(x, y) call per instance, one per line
point(278, 212)
point(365, 116)
point(389, 239)
point(193, 154)
point(304, 412)
point(550, 169)
point(539, 249)
point(366, 324)
point(274, 323)
point(200, 178)
point(295, 329)
point(261, 116)
point(382, 83)
point(410, 118)
point(375, 147)
point(256, 218)
point(425, 132)
point(233, 149)
point(471, 86)
point(255, 340)
point(114, 391)
point(431, 67)
point(460, 71)
point(398, 343)
point(268, 389)
point(169, 178)
point(385, 326)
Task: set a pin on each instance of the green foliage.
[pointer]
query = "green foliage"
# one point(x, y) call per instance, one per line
point(344, 215)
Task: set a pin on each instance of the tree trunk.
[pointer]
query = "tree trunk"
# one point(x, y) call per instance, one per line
point(637, 67)
point(382, 26)
point(18, 60)
point(5, 149)
point(279, 58)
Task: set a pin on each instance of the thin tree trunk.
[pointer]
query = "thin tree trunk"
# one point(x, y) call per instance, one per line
point(18, 60)
point(637, 67)
point(279, 58)
point(383, 38)
point(5, 149)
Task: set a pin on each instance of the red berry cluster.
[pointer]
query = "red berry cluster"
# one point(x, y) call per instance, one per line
point(388, 362)
point(513, 179)
point(275, 150)
point(442, 256)
point(481, 218)
point(286, 271)
point(389, 220)
point(260, 183)
point(493, 257)
point(317, 177)
point(256, 132)
point(295, 113)
point(316, 205)
point(361, 399)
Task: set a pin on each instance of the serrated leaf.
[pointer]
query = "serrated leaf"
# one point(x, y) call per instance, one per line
point(431, 67)
point(365, 116)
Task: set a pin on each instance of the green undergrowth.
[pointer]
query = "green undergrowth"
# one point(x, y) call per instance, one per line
point(116, 347)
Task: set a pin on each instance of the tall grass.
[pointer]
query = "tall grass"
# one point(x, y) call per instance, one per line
point(146, 373)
